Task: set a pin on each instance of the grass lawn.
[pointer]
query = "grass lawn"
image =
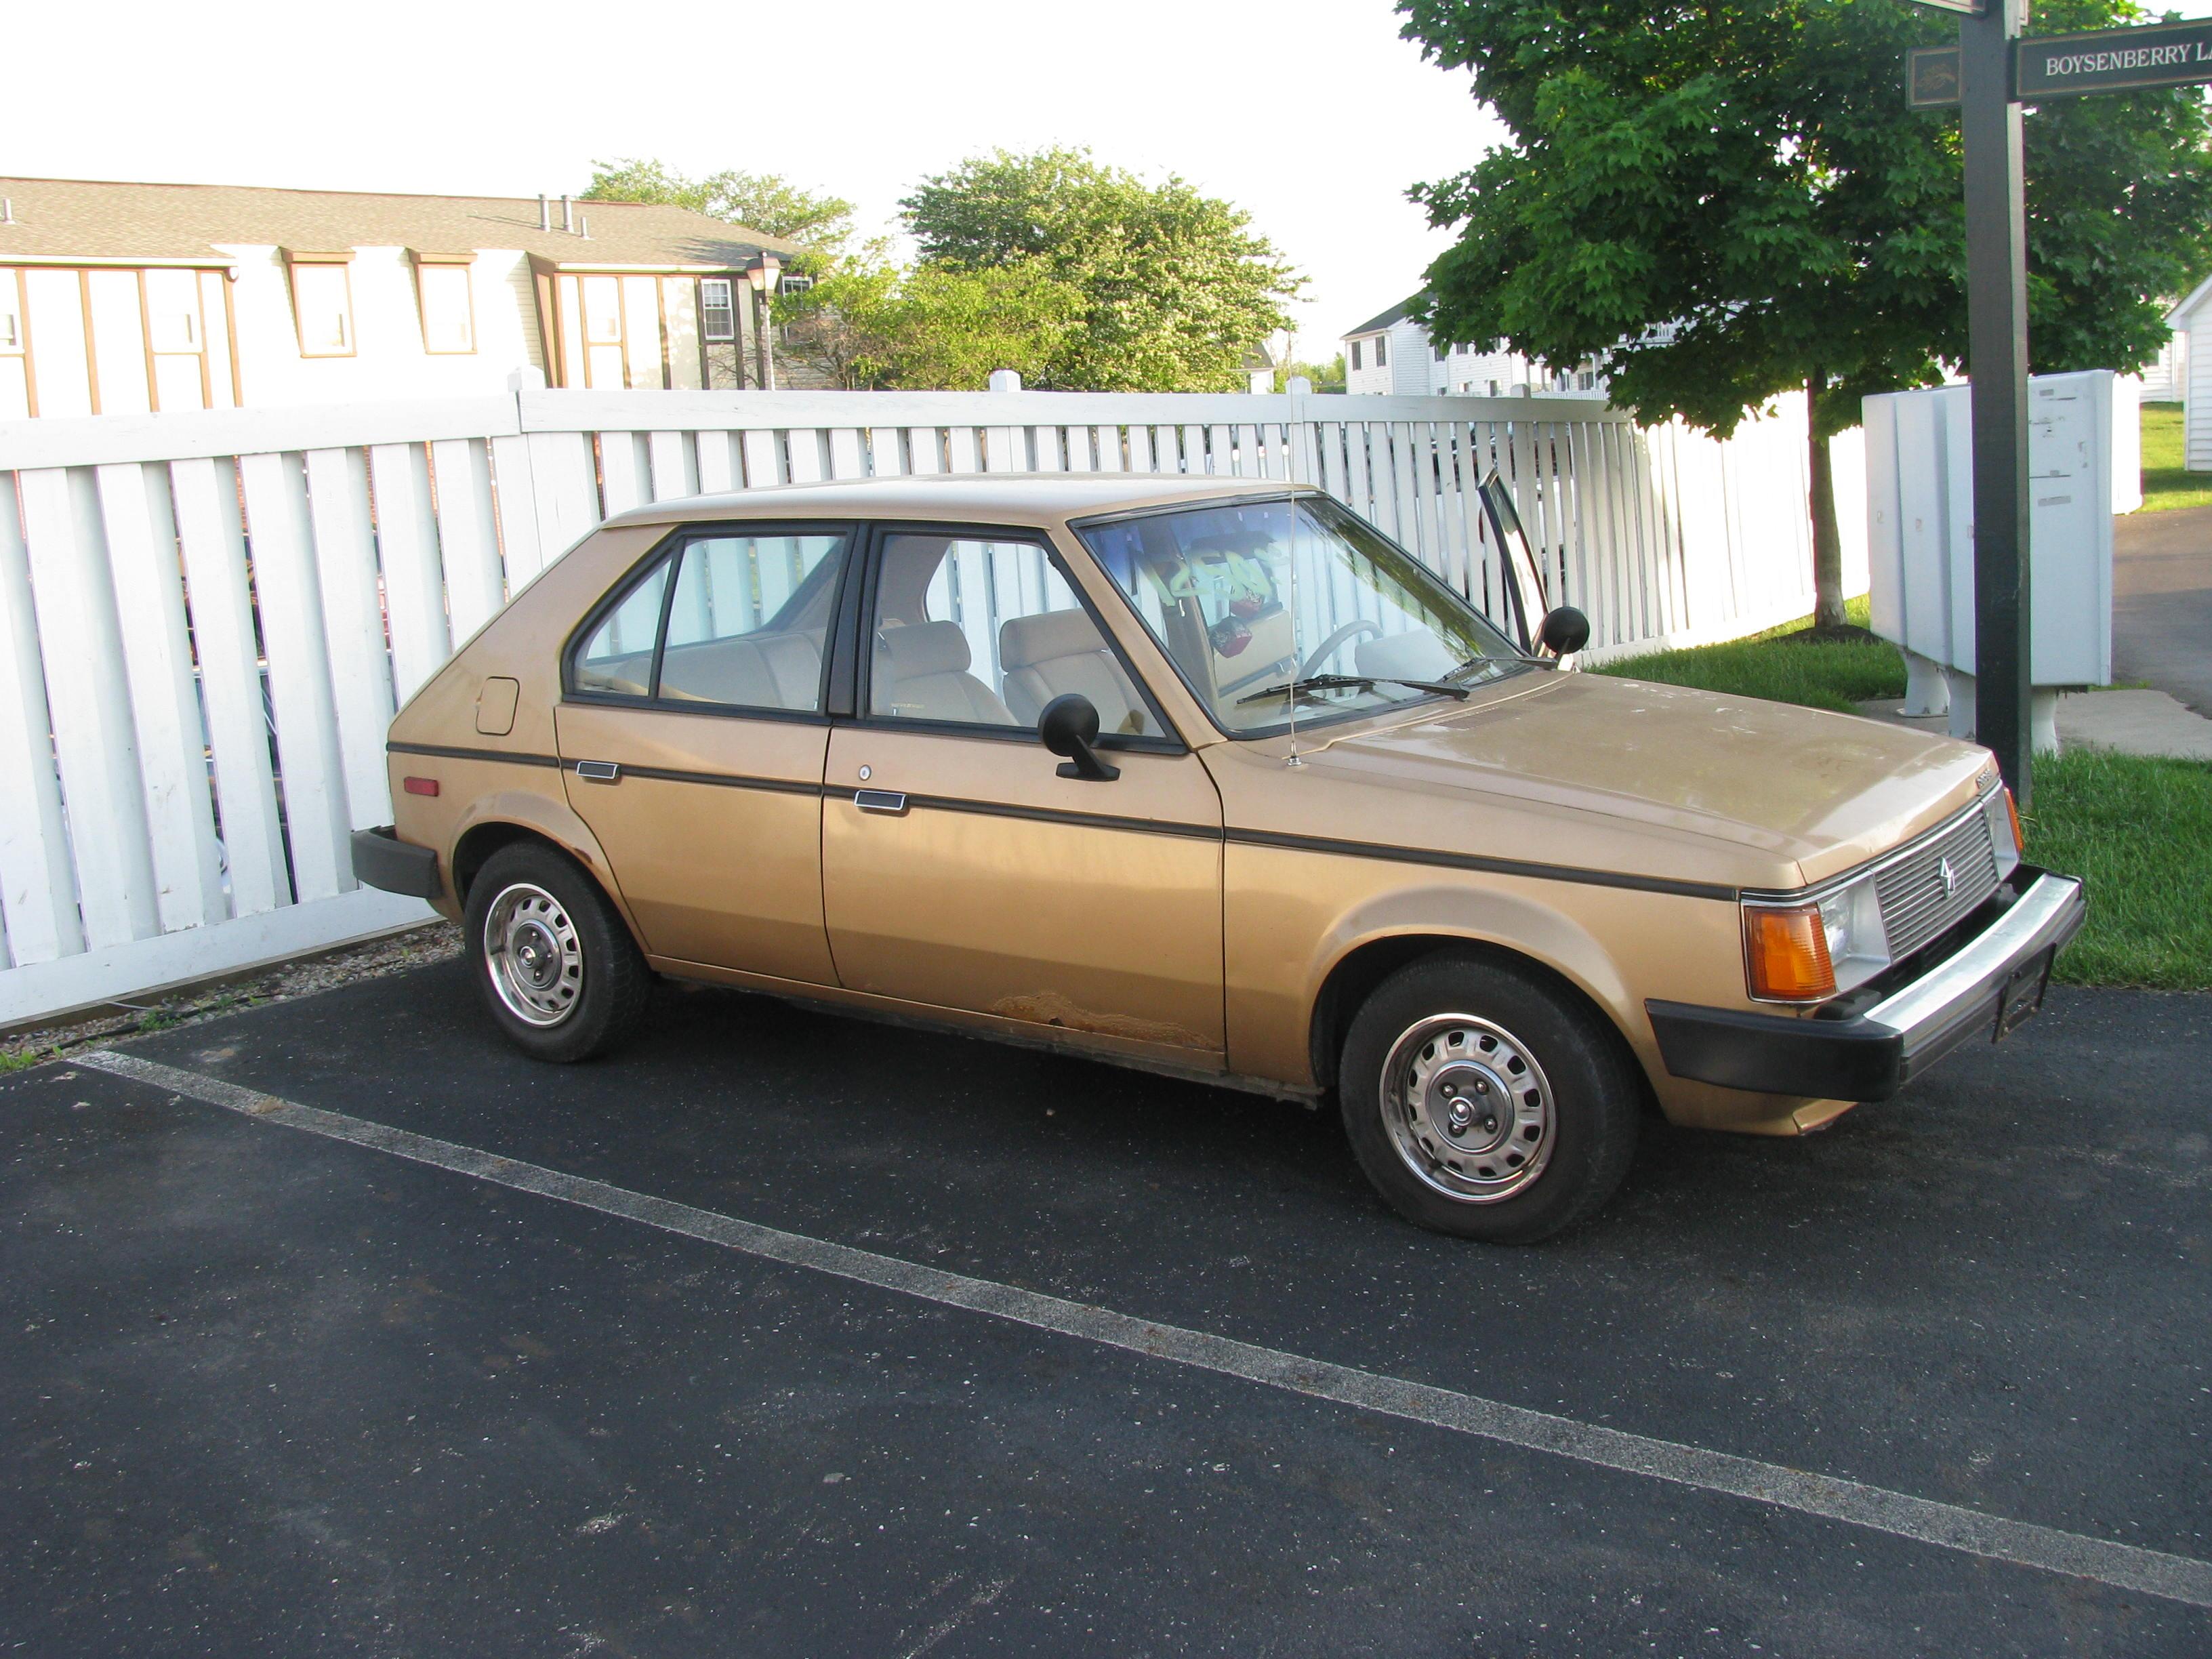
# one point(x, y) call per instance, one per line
point(2163, 483)
point(1833, 675)
point(2138, 828)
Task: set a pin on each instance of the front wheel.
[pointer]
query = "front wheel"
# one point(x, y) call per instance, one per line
point(1484, 1103)
point(558, 969)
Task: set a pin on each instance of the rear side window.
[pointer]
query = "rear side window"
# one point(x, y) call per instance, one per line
point(721, 620)
point(617, 659)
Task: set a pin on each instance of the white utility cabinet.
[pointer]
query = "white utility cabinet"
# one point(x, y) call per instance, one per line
point(2084, 457)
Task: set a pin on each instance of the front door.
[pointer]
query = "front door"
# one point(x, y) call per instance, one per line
point(692, 735)
point(960, 871)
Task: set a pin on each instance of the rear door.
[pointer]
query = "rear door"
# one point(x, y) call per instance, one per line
point(693, 732)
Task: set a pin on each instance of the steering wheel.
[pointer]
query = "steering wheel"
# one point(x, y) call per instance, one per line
point(1336, 642)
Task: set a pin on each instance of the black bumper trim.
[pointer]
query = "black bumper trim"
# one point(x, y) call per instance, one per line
point(1873, 1056)
point(382, 860)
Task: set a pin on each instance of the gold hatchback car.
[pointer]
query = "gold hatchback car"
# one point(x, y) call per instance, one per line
point(1213, 778)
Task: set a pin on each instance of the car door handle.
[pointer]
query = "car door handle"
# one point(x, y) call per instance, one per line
point(890, 801)
point(599, 771)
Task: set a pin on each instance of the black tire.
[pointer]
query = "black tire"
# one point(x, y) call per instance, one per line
point(585, 984)
point(1549, 1106)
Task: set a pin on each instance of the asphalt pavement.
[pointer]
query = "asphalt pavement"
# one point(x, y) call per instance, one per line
point(2162, 602)
point(479, 1357)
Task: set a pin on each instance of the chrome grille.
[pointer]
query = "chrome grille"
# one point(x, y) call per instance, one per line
point(1917, 902)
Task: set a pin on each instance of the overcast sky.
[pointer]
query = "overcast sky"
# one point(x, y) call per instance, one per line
point(1313, 114)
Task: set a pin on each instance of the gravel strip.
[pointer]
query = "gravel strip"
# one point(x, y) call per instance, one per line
point(435, 942)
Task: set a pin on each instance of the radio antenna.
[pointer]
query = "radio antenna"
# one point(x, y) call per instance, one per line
point(1297, 659)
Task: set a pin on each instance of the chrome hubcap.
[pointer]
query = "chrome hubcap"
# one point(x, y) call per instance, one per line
point(533, 955)
point(1468, 1108)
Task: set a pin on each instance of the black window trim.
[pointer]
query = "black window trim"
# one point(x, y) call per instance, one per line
point(668, 551)
point(861, 663)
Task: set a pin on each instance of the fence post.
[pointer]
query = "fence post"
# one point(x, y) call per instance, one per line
point(1006, 447)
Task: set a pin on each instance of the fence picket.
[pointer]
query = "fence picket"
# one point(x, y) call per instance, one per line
point(208, 527)
point(90, 707)
point(407, 547)
point(470, 540)
point(353, 624)
point(317, 821)
point(38, 889)
point(157, 657)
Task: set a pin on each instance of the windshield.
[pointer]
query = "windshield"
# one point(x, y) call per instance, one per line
point(1265, 605)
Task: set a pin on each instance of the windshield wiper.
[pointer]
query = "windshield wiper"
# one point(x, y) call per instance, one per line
point(1350, 683)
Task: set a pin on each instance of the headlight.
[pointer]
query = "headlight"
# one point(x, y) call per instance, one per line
point(1814, 951)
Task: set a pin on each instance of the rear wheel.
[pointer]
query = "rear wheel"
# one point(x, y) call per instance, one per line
point(557, 968)
point(1485, 1102)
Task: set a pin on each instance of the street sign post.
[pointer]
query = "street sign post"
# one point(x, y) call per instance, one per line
point(1996, 365)
point(1988, 76)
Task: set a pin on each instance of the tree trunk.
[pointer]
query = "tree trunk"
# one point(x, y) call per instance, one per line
point(1827, 539)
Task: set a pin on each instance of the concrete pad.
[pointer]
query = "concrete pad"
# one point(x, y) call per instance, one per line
point(2129, 722)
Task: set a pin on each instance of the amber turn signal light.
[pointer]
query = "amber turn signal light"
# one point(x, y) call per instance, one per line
point(420, 785)
point(2018, 840)
point(1787, 954)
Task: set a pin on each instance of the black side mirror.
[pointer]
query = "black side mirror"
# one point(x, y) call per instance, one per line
point(1069, 726)
point(1565, 630)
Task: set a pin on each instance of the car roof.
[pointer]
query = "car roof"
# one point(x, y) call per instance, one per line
point(1027, 498)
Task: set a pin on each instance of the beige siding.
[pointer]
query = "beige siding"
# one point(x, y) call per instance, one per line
point(680, 295)
point(119, 341)
point(2197, 455)
point(641, 332)
point(56, 327)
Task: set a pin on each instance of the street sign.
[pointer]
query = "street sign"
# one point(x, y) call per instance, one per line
point(1931, 77)
point(2112, 60)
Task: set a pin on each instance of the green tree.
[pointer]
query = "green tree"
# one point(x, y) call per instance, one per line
point(869, 325)
point(1729, 200)
point(766, 201)
point(1326, 377)
point(1176, 290)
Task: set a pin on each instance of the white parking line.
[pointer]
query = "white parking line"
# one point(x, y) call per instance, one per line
point(2173, 1577)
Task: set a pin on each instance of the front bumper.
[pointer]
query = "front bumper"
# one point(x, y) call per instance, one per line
point(1872, 1055)
point(382, 860)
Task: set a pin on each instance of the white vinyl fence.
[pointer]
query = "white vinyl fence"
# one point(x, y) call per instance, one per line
point(208, 619)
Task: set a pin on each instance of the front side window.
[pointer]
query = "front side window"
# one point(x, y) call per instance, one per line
point(976, 632)
point(1261, 602)
point(728, 620)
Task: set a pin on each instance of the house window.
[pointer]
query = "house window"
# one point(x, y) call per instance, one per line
point(1493, 388)
point(603, 320)
point(322, 307)
point(1355, 354)
point(717, 310)
point(1382, 351)
point(1586, 381)
point(442, 291)
point(11, 314)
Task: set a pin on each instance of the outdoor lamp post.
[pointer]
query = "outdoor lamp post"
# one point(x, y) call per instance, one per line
point(763, 271)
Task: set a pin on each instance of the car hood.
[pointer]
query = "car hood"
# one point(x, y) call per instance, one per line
point(1824, 790)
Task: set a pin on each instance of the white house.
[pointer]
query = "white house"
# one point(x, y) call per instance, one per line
point(2191, 322)
point(138, 298)
point(1391, 354)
